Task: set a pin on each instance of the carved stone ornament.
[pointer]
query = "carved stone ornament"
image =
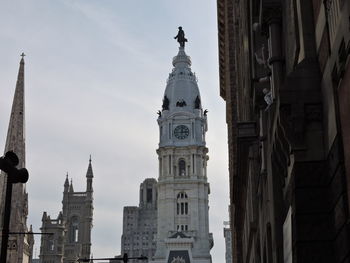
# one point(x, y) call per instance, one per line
point(178, 260)
point(181, 103)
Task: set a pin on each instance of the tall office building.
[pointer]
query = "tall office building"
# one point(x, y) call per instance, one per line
point(140, 223)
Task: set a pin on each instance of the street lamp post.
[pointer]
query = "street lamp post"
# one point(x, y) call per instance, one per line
point(8, 164)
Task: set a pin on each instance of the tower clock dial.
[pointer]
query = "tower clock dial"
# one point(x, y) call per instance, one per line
point(181, 132)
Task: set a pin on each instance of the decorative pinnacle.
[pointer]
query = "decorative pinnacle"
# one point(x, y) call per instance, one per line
point(90, 159)
point(23, 55)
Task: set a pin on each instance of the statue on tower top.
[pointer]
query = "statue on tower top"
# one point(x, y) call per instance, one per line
point(181, 37)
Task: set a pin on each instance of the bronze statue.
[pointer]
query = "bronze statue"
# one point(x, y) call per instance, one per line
point(181, 37)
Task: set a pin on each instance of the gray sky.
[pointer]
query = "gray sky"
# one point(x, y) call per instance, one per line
point(95, 76)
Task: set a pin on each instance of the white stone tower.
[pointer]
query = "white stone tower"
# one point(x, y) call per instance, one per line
point(183, 225)
point(20, 246)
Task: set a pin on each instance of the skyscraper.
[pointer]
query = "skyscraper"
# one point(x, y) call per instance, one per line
point(140, 223)
point(20, 246)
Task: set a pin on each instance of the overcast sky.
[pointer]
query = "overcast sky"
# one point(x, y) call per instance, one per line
point(95, 75)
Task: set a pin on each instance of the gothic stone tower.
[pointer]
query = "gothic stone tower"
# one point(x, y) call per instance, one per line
point(183, 224)
point(72, 228)
point(20, 247)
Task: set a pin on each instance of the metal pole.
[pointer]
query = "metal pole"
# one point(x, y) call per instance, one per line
point(5, 230)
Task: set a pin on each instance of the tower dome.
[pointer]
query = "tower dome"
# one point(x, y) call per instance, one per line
point(182, 121)
point(181, 93)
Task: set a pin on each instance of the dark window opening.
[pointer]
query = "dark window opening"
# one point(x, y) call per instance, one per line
point(182, 168)
point(149, 195)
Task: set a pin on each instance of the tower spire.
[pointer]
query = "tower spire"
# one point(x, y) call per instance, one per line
point(71, 189)
point(15, 140)
point(89, 176)
point(66, 184)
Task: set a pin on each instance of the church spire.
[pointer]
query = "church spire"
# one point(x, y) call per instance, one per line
point(15, 140)
point(66, 184)
point(89, 176)
point(71, 190)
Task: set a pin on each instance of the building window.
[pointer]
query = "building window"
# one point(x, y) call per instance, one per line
point(74, 230)
point(51, 245)
point(182, 204)
point(149, 195)
point(193, 162)
point(182, 167)
point(169, 164)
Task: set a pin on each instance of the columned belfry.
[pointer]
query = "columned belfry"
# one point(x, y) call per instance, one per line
point(182, 222)
point(19, 246)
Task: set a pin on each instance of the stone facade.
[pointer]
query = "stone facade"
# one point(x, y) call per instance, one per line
point(183, 189)
point(284, 74)
point(228, 242)
point(140, 223)
point(20, 246)
point(71, 230)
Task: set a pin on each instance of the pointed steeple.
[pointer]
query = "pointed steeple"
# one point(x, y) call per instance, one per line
point(71, 190)
point(15, 140)
point(66, 184)
point(89, 173)
point(89, 176)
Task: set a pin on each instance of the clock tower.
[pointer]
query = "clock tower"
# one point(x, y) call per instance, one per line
point(183, 189)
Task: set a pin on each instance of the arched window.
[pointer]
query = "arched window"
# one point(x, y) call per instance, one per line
point(74, 230)
point(182, 204)
point(182, 168)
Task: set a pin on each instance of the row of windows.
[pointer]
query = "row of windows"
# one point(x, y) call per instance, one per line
point(182, 204)
point(143, 233)
point(141, 244)
point(181, 166)
point(182, 208)
point(182, 227)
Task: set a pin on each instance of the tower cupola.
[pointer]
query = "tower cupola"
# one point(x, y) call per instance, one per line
point(182, 120)
point(181, 93)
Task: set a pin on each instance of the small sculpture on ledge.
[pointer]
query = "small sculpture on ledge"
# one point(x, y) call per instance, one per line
point(165, 105)
point(159, 113)
point(197, 103)
point(181, 103)
point(181, 37)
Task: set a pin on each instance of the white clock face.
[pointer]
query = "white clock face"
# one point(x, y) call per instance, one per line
point(181, 132)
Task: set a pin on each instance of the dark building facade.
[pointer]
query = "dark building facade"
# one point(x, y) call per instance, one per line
point(285, 77)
